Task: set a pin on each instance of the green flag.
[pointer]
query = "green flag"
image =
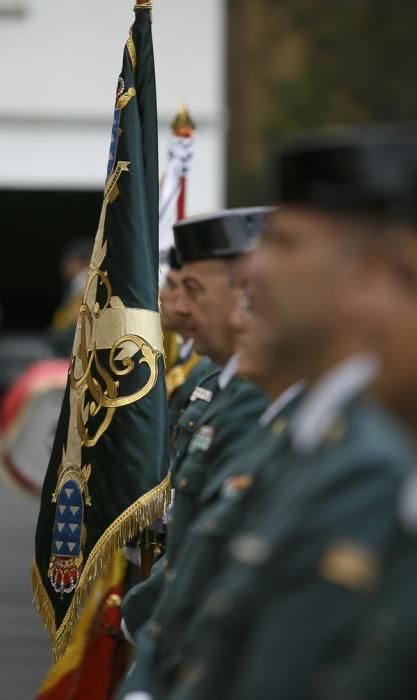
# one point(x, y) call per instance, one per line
point(107, 477)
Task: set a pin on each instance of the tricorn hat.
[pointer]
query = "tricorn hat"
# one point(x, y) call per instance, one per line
point(221, 234)
point(368, 171)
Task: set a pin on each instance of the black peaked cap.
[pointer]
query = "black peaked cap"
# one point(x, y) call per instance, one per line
point(221, 234)
point(366, 171)
point(173, 261)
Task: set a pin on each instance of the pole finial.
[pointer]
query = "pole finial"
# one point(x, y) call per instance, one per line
point(182, 124)
point(143, 5)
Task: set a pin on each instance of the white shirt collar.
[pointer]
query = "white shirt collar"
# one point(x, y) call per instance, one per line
point(327, 398)
point(186, 349)
point(228, 372)
point(280, 403)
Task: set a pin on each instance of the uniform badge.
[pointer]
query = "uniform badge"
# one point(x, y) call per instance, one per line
point(202, 439)
point(236, 485)
point(350, 564)
point(201, 394)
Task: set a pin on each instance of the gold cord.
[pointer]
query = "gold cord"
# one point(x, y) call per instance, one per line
point(147, 5)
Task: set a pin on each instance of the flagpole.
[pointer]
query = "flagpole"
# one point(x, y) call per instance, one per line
point(183, 127)
point(147, 552)
point(147, 544)
point(143, 5)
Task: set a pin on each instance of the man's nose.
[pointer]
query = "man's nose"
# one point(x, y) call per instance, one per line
point(180, 305)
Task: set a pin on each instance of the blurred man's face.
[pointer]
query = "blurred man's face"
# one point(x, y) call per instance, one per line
point(316, 291)
point(245, 326)
point(397, 383)
point(210, 293)
point(301, 274)
point(174, 317)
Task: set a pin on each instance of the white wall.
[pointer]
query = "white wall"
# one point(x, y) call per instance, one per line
point(58, 68)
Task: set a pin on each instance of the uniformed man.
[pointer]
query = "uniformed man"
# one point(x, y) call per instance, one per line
point(214, 252)
point(74, 264)
point(318, 539)
point(221, 506)
point(382, 664)
point(185, 368)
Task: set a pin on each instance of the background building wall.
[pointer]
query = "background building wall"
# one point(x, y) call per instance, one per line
point(58, 72)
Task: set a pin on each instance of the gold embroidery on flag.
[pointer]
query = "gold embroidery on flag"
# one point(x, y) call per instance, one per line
point(130, 45)
point(124, 99)
point(111, 191)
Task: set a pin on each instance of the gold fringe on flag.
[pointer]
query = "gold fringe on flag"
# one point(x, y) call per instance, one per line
point(140, 515)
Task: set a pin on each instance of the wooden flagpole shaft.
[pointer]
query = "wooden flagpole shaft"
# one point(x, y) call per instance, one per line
point(147, 553)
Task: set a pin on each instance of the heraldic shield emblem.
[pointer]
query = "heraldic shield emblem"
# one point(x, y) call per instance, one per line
point(69, 531)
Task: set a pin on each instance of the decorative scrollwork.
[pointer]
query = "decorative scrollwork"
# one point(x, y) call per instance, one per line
point(98, 386)
point(149, 357)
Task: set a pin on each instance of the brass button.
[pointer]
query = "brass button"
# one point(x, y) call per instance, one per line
point(279, 426)
point(191, 673)
point(336, 431)
point(219, 603)
point(250, 550)
point(190, 424)
point(211, 525)
point(155, 629)
point(170, 575)
point(183, 483)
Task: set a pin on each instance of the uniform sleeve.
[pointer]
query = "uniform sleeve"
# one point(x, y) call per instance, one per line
point(140, 677)
point(139, 603)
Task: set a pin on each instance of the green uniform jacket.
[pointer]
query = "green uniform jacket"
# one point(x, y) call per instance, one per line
point(304, 568)
point(189, 418)
point(228, 418)
point(221, 506)
point(181, 395)
point(139, 601)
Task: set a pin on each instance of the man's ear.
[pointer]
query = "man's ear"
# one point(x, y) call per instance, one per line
point(371, 295)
